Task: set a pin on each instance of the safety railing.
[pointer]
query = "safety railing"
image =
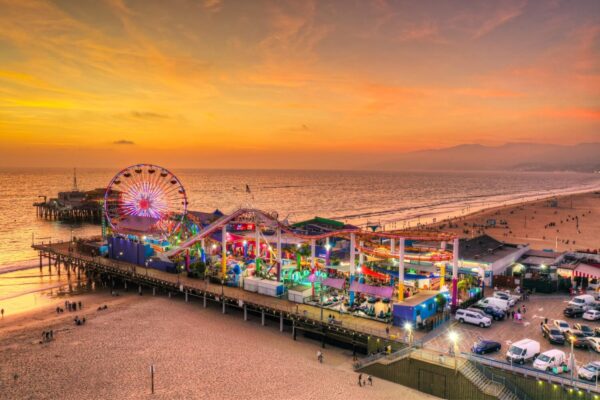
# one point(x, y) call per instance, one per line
point(572, 381)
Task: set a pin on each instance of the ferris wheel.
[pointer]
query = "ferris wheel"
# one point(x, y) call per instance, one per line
point(145, 199)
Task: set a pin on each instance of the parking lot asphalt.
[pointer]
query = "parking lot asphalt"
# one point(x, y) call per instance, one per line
point(538, 307)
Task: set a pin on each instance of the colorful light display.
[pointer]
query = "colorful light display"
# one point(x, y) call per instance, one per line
point(145, 199)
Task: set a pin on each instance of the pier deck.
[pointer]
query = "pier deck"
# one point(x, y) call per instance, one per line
point(365, 334)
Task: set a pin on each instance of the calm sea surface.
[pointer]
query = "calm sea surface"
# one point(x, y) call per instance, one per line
point(386, 197)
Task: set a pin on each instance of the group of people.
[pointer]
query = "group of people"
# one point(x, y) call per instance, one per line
point(363, 382)
point(79, 321)
point(104, 307)
point(519, 314)
point(47, 336)
point(331, 319)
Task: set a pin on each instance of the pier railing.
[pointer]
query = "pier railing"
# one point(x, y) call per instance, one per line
point(180, 283)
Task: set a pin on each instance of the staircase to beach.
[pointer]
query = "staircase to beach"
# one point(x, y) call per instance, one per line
point(487, 386)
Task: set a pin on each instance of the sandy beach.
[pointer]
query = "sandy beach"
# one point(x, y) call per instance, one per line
point(197, 353)
point(571, 223)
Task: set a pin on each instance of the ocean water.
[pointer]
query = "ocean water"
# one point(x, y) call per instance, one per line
point(394, 199)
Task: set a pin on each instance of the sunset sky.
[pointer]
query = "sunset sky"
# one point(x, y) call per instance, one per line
point(319, 84)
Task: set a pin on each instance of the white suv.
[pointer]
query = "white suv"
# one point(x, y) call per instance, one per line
point(473, 317)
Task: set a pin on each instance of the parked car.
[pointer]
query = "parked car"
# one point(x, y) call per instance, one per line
point(473, 317)
point(590, 372)
point(578, 339)
point(549, 360)
point(561, 325)
point(512, 299)
point(591, 315)
point(523, 351)
point(583, 301)
point(573, 312)
point(493, 312)
point(553, 334)
point(594, 344)
point(585, 329)
point(485, 347)
point(496, 302)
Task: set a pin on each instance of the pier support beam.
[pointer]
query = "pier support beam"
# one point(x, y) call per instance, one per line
point(41, 260)
point(169, 294)
point(281, 322)
point(224, 310)
point(186, 296)
point(124, 282)
point(153, 291)
point(294, 329)
point(245, 313)
point(140, 290)
point(204, 302)
point(262, 317)
point(401, 270)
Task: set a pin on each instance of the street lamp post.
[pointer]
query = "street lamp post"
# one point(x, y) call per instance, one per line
point(572, 357)
point(408, 329)
point(453, 336)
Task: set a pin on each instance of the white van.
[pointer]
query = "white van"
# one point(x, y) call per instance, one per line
point(512, 300)
point(496, 302)
point(584, 301)
point(550, 359)
point(473, 317)
point(523, 351)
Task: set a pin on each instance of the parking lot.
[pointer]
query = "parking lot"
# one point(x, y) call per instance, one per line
point(509, 331)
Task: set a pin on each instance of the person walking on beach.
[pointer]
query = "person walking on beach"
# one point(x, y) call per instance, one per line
point(319, 356)
point(360, 380)
point(370, 380)
point(2, 312)
point(524, 309)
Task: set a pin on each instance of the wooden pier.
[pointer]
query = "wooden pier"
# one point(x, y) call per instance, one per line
point(53, 211)
point(359, 334)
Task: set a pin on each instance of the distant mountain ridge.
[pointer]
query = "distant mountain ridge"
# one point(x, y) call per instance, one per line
point(583, 157)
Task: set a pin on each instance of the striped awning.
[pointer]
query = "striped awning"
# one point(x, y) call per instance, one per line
point(587, 271)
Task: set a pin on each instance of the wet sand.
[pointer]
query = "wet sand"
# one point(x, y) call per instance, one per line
point(197, 353)
point(576, 220)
